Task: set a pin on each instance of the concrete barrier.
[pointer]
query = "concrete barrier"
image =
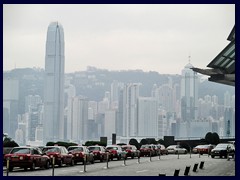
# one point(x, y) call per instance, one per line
point(187, 169)
point(176, 172)
point(195, 167)
point(201, 165)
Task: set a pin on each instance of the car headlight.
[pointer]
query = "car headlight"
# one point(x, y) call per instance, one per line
point(21, 158)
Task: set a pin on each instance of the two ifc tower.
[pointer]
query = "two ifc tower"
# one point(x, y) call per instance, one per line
point(53, 118)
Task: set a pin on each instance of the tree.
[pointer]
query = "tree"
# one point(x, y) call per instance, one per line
point(143, 142)
point(151, 141)
point(209, 138)
point(134, 142)
point(212, 138)
point(161, 141)
point(8, 142)
point(215, 138)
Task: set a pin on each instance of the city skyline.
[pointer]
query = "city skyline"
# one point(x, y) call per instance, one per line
point(105, 116)
point(119, 37)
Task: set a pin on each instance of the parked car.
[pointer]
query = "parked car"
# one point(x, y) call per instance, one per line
point(131, 151)
point(27, 157)
point(223, 149)
point(176, 149)
point(61, 154)
point(162, 149)
point(81, 154)
point(115, 152)
point(147, 150)
point(99, 152)
point(203, 149)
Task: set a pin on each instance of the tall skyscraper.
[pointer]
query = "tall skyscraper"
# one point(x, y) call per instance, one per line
point(189, 94)
point(189, 98)
point(53, 129)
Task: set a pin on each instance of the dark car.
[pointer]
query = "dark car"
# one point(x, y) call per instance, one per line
point(27, 157)
point(99, 152)
point(81, 154)
point(131, 151)
point(223, 149)
point(60, 154)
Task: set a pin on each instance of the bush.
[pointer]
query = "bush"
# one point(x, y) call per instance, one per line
point(143, 142)
point(134, 142)
point(60, 143)
point(92, 143)
point(8, 142)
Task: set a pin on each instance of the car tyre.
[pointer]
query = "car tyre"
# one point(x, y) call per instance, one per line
point(132, 156)
point(32, 168)
point(212, 156)
point(47, 165)
point(10, 168)
point(60, 163)
point(92, 161)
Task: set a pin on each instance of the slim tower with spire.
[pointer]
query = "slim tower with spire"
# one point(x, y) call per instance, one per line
point(54, 84)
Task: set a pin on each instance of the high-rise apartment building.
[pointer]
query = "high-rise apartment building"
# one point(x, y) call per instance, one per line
point(77, 120)
point(130, 98)
point(53, 127)
point(10, 106)
point(147, 117)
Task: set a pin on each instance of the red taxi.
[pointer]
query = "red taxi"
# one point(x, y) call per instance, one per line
point(203, 149)
point(147, 150)
point(131, 151)
point(99, 152)
point(115, 152)
point(60, 153)
point(81, 152)
point(27, 157)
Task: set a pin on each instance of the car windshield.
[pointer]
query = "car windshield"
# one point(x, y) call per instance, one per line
point(114, 148)
point(20, 151)
point(92, 148)
point(126, 147)
point(221, 145)
point(51, 149)
point(75, 149)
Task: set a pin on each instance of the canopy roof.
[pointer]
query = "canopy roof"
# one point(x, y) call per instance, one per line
point(223, 65)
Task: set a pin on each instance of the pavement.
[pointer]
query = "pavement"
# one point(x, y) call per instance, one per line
point(166, 165)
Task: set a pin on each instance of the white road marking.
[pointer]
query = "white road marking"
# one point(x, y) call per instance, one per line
point(142, 171)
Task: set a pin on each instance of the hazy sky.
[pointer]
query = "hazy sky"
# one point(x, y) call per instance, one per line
point(157, 37)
